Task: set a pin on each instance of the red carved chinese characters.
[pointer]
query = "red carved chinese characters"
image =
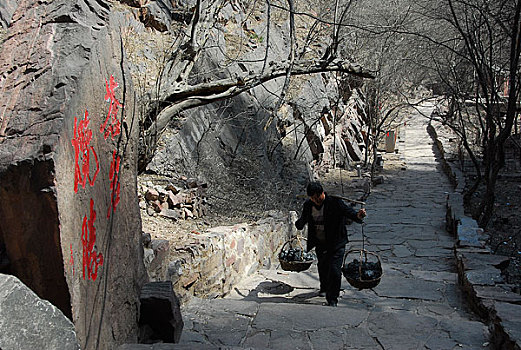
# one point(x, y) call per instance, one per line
point(84, 171)
point(71, 261)
point(91, 259)
point(112, 125)
point(114, 183)
point(82, 152)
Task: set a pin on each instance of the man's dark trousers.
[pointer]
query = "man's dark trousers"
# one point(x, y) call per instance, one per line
point(330, 271)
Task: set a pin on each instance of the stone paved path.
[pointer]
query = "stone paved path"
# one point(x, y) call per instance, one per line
point(417, 305)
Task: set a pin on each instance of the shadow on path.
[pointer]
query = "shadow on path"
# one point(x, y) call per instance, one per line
point(275, 287)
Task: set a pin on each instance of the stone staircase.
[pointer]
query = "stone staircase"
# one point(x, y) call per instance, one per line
point(417, 305)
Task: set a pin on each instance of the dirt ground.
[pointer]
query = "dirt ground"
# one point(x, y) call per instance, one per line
point(505, 226)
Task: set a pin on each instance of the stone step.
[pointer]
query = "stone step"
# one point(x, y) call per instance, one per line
point(403, 316)
point(189, 346)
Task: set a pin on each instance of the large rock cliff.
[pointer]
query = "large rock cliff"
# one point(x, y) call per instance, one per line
point(68, 210)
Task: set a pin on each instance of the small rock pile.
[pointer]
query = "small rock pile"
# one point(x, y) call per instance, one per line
point(175, 202)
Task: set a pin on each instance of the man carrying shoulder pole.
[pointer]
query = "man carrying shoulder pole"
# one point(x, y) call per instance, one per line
point(326, 219)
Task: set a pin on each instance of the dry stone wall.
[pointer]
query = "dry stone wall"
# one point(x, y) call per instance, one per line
point(479, 270)
point(208, 264)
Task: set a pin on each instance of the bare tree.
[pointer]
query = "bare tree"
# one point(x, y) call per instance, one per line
point(483, 40)
point(373, 36)
point(470, 48)
point(177, 94)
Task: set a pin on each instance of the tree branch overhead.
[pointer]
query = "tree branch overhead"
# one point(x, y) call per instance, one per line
point(174, 102)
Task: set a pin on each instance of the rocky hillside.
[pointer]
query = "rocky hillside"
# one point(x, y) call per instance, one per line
point(250, 163)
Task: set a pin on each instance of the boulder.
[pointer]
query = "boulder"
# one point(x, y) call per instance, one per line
point(134, 3)
point(171, 214)
point(157, 206)
point(152, 194)
point(192, 183)
point(174, 189)
point(175, 200)
point(160, 315)
point(160, 247)
point(188, 213)
point(28, 322)
point(175, 270)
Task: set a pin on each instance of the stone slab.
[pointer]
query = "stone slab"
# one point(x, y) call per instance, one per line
point(296, 317)
point(476, 260)
point(434, 252)
point(496, 293)
point(399, 329)
point(486, 277)
point(440, 243)
point(398, 286)
point(436, 276)
point(401, 251)
point(468, 233)
point(166, 346)
point(510, 318)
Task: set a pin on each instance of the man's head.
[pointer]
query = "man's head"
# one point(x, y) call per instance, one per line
point(316, 193)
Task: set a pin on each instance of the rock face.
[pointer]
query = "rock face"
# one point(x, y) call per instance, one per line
point(28, 322)
point(7, 8)
point(230, 144)
point(69, 215)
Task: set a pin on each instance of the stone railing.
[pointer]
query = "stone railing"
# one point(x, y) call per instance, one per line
point(209, 264)
point(479, 270)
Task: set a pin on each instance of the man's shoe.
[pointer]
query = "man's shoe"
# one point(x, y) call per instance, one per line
point(332, 303)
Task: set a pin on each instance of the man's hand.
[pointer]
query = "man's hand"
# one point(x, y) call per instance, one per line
point(361, 214)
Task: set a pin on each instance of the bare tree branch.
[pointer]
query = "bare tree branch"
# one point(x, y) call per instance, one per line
point(204, 93)
point(291, 60)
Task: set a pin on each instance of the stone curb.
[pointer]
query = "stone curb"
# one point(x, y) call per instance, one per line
point(453, 172)
point(479, 271)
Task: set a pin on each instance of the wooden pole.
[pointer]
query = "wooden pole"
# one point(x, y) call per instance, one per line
point(337, 196)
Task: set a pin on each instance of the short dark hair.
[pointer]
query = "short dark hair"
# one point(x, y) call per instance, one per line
point(314, 188)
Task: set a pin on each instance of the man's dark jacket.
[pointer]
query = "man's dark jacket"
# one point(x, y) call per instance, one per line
point(336, 213)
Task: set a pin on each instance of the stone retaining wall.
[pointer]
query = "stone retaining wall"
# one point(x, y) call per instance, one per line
point(478, 269)
point(209, 264)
